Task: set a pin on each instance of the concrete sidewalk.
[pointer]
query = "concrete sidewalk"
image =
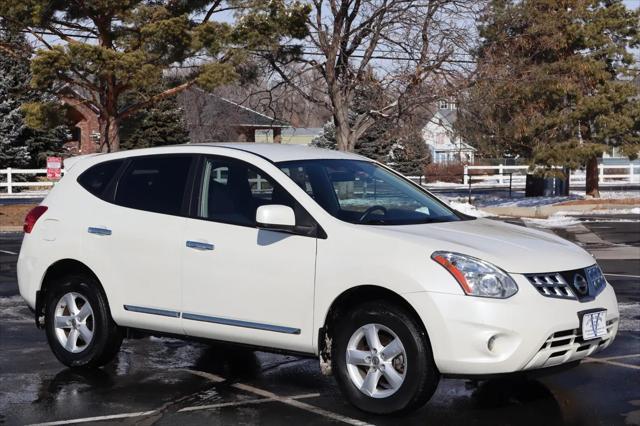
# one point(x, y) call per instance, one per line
point(10, 229)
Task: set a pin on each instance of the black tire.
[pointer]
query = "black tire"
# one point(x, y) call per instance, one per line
point(107, 336)
point(421, 376)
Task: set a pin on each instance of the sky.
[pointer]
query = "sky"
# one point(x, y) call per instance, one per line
point(632, 4)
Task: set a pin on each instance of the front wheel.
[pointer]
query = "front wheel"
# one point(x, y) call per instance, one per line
point(79, 327)
point(382, 359)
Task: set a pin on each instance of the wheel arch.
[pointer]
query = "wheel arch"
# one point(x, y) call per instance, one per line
point(349, 299)
point(56, 270)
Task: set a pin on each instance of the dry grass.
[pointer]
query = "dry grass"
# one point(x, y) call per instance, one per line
point(13, 214)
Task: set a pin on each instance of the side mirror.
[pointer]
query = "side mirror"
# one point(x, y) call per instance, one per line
point(276, 217)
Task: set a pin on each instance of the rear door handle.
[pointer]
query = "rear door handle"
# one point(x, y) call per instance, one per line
point(98, 230)
point(197, 245)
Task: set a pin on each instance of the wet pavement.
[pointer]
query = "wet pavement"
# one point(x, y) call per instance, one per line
point(167, 381)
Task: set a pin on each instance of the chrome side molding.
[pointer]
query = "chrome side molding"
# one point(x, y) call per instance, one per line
point(213, 320)
point(238, 323)
point(152, 311)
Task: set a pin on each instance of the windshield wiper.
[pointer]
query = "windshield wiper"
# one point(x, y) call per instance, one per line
point(373, 221)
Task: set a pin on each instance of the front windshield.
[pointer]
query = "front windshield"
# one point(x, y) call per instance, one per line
point(363, 192)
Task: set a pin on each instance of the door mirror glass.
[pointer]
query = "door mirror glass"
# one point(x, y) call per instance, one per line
point(276, 217)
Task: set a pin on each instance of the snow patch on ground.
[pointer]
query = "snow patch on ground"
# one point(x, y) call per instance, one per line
point(468, 209)
point(629, 314)
point(555, 221)
point(14, 309)
point(520, 201)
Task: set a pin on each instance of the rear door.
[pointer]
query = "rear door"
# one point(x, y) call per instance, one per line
point(241, 283)
point(138, 233)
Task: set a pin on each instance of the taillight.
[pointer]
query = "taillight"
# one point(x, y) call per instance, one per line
point(32, 217)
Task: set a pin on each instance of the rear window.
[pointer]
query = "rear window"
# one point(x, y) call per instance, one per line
point(96, 179)
point(155, 184)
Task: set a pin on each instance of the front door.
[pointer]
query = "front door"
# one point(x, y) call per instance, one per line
point(241, 283)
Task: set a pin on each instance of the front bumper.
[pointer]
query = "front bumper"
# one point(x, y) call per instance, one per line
point(480, 336)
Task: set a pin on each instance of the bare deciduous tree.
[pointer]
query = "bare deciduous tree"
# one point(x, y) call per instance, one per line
point(416, 50)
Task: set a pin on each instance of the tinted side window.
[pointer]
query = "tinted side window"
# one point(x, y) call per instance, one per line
point(97, 178)
point(154, 183)
point(300, 176)
point(231, 192)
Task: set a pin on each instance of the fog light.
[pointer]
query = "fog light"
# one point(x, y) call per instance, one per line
point(491, 342)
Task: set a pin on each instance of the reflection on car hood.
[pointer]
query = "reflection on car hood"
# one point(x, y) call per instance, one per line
point(513, 248)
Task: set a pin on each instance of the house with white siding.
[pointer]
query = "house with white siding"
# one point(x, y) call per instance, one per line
point(445, 145)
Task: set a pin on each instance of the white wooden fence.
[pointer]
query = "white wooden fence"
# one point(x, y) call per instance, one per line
point(609, 174)
point(38, 184)
point(37, 181)
point(499, 175)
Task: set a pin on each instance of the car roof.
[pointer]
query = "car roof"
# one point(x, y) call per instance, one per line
point(272, 152)
point(283, 152)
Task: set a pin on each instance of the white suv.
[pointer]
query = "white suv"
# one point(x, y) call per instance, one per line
point(308, 251)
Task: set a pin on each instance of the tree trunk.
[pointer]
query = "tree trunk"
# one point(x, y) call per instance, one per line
point(342, 131)
point(592, 187)
point(109, 134)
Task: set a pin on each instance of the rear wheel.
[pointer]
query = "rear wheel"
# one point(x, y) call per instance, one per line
point(80, 330)
point(382, 359)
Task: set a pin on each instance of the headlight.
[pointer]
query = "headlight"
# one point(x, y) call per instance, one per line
point(477, 277)
point(596, 278)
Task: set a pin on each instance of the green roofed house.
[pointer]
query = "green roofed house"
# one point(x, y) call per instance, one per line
point(291, 135)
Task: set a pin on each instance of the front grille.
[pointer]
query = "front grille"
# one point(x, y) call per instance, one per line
point(578, 284)
point(568, 345)
point(552, 285)
point(569, 337)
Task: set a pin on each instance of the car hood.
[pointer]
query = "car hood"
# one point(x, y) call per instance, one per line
point(513, 248)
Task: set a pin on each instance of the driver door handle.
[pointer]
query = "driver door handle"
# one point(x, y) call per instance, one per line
point(99, 230)
point(198, 245)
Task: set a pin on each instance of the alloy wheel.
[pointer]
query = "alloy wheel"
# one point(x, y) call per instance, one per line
point(376, 361)
point(74, 324)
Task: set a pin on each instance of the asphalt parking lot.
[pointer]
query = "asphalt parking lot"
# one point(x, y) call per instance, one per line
point(166, 381)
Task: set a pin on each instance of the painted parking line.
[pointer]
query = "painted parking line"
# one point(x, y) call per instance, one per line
point(9, 252)
point(247, 402)
point(186, 409)
point(266, 396)
point(285, 400)
point(617, 364)
point(97, 419)
point(622, 275)
point(614, 358)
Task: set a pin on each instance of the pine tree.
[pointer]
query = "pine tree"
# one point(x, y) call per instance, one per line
point(327, 139)
point(113, 48)
point(13, 151)
point(555, 83)
point(387, 140)
point(403, 148)
point(409, 154)
point(21, 146)
point(161, 124)
point(376, 142)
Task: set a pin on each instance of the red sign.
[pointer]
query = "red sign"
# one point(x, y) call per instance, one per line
point(54, 168)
